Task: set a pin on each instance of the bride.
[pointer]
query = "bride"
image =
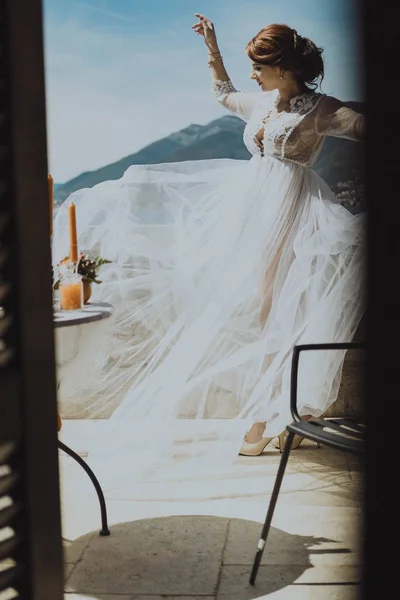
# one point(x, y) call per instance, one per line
point(247, 259)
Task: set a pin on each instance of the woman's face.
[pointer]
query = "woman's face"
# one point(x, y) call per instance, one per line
point(267, 76)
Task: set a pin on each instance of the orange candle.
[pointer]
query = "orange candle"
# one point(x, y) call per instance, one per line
point(50, 183)
point(73, 239)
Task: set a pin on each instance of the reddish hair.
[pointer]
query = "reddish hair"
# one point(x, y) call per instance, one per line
point(281, 46)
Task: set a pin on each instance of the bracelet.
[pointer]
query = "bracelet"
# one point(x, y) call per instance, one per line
point(214, 59)
point(212, 53)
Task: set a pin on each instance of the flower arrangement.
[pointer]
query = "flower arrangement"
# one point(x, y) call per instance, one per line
point(87, 267)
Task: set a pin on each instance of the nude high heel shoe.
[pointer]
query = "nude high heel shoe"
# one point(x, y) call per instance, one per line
point(296, 440)
point(257, 448)
point(254, 449)
point(282, 439)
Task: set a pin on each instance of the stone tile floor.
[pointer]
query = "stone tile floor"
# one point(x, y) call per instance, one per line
point(196, 541)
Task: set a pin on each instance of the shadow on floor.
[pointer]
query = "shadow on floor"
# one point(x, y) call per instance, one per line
point(188, 556)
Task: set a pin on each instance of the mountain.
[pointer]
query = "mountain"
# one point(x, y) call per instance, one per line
point(339, 163)
point(221, 138)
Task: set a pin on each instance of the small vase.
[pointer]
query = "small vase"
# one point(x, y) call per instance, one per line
point(87, 291)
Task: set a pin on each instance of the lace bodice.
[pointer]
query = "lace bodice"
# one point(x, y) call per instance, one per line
point(295, 134)
point(280, 138)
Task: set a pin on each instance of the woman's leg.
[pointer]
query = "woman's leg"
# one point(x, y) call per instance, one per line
point(256, 431)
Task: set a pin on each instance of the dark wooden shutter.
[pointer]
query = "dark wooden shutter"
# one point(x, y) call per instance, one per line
point(30, 529)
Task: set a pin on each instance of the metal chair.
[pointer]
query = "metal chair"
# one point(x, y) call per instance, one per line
point(344, 434)
point(103, 509)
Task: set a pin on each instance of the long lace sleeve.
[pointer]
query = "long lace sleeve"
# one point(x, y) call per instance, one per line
point(334, 118)
point(241, 103)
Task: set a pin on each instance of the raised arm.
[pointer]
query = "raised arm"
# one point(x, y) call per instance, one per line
point(240, 103)
point(334, 118)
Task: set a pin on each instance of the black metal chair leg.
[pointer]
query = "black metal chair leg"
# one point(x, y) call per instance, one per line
point(103, 510)
point(271, 507)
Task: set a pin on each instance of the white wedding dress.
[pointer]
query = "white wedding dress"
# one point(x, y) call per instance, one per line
point(219, 268)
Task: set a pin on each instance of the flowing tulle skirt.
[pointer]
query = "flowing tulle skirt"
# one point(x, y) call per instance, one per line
point(219, 267)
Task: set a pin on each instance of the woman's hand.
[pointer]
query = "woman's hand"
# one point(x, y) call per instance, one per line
point(205, 28)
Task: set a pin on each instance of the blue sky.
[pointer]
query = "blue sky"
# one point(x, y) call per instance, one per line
point(123, 73)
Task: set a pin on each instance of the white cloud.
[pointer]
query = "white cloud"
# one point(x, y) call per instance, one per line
point(103, 11)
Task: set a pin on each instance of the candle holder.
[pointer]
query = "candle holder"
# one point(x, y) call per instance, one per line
point(71, 291)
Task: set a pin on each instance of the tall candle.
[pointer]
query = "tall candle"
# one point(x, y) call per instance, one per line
point(50, 183)
point(73, 239)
